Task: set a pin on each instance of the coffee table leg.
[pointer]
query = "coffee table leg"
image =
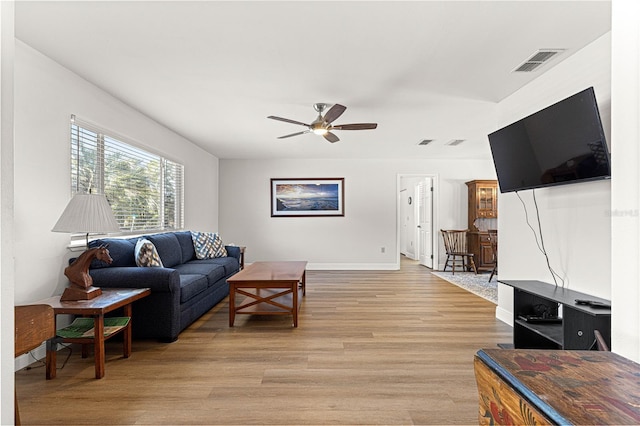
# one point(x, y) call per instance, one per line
point(98, 343)
point(294, 291)
point(232, 304)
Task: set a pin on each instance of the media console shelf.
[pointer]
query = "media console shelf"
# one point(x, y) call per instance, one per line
point(564, 323)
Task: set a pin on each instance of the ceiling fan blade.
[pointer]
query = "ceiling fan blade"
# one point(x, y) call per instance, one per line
point(293, 134)
point(356, 126)
point(331, 137)
point(334, 112)
point(286, 120)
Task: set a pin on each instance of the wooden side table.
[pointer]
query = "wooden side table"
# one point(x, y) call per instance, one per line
point(109, 300)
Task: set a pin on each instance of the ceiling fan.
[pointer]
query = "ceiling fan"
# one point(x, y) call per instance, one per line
point(322, 124)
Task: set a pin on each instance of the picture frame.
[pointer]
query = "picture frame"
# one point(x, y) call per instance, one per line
point(308, 197)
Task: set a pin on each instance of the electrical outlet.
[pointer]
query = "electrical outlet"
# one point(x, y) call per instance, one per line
point(382, 249)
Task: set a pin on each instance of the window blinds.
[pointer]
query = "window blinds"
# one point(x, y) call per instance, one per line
point(145, 190)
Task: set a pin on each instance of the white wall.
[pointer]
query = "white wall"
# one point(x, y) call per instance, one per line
point(46, 94)
point(625, 185)
point(6, 212)
point(350, 242)
point(575, 218)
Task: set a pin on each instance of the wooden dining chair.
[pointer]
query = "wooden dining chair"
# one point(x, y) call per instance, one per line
point(455, 244)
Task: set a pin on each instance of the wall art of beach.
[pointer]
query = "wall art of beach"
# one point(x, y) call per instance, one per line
point(305, 197)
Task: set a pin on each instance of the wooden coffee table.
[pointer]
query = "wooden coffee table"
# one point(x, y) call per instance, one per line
point(270, 288)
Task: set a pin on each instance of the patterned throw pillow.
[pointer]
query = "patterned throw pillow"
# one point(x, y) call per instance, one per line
point(146, 254)
point(208, 245)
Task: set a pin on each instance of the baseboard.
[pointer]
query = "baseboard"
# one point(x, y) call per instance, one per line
point(39, 353)
point(353, 266)
point(350, 266)
point(504, 315)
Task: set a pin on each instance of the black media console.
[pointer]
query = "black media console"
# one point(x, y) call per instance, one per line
point(548, 317)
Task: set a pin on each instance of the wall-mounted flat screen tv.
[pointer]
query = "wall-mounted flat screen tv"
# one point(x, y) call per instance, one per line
point(561, 144)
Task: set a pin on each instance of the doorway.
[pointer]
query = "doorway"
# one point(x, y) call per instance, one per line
point(416, 218)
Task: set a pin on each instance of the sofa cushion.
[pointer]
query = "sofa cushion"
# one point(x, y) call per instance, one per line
point(230, 264)
point(168, 248)
point(120, 250)
point(213, 272)
point(146, 254)
point(208, 245)
point(191, 285)
point(186, 244)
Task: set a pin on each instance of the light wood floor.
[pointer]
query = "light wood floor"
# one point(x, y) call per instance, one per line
point(372, 347)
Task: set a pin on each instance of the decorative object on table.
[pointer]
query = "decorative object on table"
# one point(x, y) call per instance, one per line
point(307, 197)
point(78, 273)
point(322, 124)
point(88, 214)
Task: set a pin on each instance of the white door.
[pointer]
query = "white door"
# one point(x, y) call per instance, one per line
point(404, 223)
point(425, 206)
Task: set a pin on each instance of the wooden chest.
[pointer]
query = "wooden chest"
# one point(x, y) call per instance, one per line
point(526, 386)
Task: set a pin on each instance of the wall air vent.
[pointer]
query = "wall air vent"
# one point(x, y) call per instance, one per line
point(425, 141)
point(455, 142)
point(538, 59)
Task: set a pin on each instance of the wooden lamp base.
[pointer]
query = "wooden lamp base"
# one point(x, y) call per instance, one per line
point(76, 293)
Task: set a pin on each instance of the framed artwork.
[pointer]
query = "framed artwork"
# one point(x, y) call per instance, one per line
point(307, 197)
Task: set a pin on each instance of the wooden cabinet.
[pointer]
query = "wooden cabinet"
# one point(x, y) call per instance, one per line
point(575, 324)
point(482, 215)
point(479, 244)
point(483, 201)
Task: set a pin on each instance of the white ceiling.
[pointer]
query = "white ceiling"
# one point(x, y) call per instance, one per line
point(212, 71)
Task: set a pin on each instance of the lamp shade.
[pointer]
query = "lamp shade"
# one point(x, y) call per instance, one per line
point(87, 213)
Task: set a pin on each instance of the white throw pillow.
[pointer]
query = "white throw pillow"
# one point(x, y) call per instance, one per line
point(146, 254)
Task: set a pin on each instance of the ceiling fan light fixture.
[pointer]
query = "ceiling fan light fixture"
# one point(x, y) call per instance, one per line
point(323, 124)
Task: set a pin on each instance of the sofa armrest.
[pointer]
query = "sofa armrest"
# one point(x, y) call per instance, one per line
point(157, 315)
point(233, 251)
point(159, 280)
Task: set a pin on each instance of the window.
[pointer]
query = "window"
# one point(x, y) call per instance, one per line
point(145, 190)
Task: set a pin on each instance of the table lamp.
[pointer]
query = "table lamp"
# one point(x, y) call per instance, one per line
point(89, 214)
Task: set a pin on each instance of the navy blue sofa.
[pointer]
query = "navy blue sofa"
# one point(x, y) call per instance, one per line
point(181, 291)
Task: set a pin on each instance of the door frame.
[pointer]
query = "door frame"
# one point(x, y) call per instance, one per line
point(435, 232)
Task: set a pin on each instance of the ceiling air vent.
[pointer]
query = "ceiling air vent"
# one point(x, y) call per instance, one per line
point(455, 142)
point(425, 141)
point(537, 59)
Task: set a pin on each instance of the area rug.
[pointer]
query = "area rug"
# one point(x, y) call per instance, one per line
point(476, 284)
